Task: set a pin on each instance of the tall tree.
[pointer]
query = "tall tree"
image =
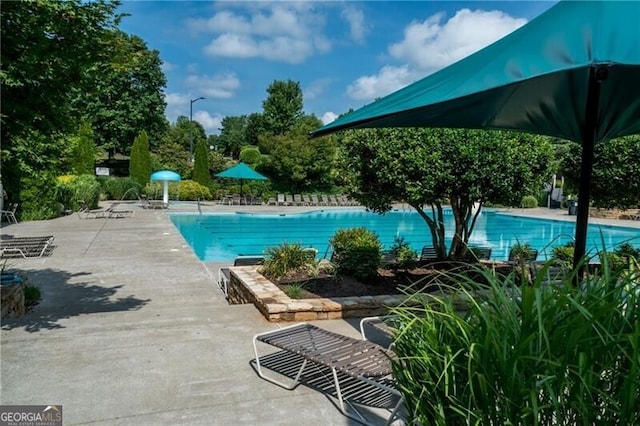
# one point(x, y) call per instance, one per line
point(126, 96)
point(83, 154)
point(201, 165)
point(232, 136)
point(140, 161)
point(283, 106)
point(427, 168)
point(47, 48)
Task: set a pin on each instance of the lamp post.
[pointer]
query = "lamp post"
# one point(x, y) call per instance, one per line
point(190, 126)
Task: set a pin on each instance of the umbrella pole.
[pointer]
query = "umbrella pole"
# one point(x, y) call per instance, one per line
point(596, 76)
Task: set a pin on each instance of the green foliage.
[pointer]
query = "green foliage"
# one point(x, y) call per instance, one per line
point(404, 255)
point(529, 202)
point(233, 135)
point(250, 155)
point(294, 290)
point(283, 107)
point(521, 252)
point(173, 156)
point(628, 251)
point(431, 167)
point(72, 190)
point(32, 295)
point(357, 252)
point(298, 163)
point(39, 197)
point(201, 165)
point(115, 188)
point(140, 162)
point(187, 190)
point(541, 354)
point(83, 154)
point(285, 258)
point(563, 254)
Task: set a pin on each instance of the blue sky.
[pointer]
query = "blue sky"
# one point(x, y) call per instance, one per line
point(344, 54)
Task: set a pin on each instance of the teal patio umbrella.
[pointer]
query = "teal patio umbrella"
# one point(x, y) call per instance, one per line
point(572, 73)
point(241, 171)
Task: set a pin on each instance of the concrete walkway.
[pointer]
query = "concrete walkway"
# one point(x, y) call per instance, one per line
point(132, 329)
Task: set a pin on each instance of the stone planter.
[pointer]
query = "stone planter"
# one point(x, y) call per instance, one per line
point(12, 297)
point(247, 285)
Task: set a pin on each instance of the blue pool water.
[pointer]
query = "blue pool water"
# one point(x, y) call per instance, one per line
point(224, 236)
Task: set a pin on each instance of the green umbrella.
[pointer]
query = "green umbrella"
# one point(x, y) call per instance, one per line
point(571, 73)
point(241, 171)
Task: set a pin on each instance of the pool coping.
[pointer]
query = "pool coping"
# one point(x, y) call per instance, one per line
point(247, 285)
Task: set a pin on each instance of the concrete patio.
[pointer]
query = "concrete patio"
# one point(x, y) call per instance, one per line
point(132, 329)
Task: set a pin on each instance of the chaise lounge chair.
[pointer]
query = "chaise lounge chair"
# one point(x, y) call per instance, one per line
point(26, 246)
point(10, 214)
point(224, 275)
point(354, 365)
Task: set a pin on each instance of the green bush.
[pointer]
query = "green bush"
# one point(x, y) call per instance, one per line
point(184, 190)
point(116, 188)
point(140, 160)
point(250, 155)
point(529, 202)
point(628, 251)
point(32, 295)
point(284, 259)
point(404, 255)
point(563, 254)
point(538, 355)
point(38, 197)
point(357, 252)
point(72, 189)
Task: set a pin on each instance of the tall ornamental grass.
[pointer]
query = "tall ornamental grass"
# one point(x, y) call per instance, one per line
point(534, 355)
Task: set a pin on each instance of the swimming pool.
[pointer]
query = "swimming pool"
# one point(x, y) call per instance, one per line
point(224, 236)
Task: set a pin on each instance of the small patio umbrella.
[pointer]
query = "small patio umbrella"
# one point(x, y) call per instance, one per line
point(570, 73)
point(165, 176)
point(241, 171)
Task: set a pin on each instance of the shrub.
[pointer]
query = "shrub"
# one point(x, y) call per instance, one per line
point(183, 190)
point(32, 295)
point(286, 258)
point(521, 252)
point(140, 161)
point(529, 202)
point(405, 256)
point(628, 251)
point(115, 188)
point(542, 355)
point(563, 254)
point(71, 190)
point(201, 165)
point(38, 197)
point(357, 252)
point(250, 155)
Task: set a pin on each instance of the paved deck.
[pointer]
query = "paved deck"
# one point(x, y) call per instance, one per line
point(132, 329)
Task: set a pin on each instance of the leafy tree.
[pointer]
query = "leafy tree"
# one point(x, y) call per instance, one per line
point(232, 136)
point(217, 162)
point(83, 155)
point(201, 165)
point(427, 168)
point(251, 155)
point(283, 106)
point(616, 167)
point(254, 127)
point(47, 48)
point(127, 94)
point(299, 163)
point(173, 156)
point(140, 161)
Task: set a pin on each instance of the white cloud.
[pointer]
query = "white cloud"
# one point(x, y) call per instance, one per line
point(328, 117)
point(167, 66)
point(388, 79)
point(177, 104)
point(281, 31)
point(219, 86)
point(316, 88)
point(430, 45)
point(357, 26)
point(211, 124)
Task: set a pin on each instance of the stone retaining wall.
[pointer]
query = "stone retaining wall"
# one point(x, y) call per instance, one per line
point(12, 299)
point(247, 285)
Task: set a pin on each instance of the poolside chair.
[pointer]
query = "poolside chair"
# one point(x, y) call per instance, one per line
point(288, 200)
point(306, 201)
point(272, 201)
point(86, 213)
point(324, 200)
point(114, 213)
point(224, 274)
point(281, 200)
point(26, 246)
point(428, 254)
point(10, 214)
point(476, 254)
point(297, 199)
point(332, 200)
point(314, 200)
point(359, 370)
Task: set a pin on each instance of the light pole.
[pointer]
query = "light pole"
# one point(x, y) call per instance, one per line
point(190, 126)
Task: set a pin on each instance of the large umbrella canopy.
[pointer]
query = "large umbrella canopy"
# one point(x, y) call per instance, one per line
point(241, 171)
point(571, 73)
point(165, 176)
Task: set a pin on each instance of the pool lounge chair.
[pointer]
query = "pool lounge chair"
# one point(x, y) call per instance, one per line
point(86, 213)
point(314, 200)
point(224, 275)
point(10, 214)
point(26, 246)
point(297, 199)
point(360, 370)
point(428, 254)
point(289, 200)
point(281, 200)
point(115, 213)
